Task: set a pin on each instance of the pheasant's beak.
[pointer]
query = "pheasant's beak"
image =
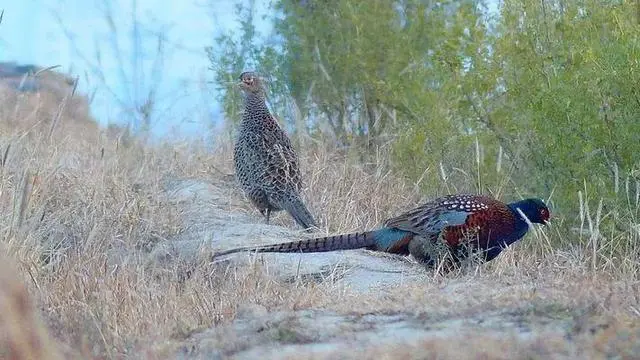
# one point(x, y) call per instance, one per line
point(245, 83)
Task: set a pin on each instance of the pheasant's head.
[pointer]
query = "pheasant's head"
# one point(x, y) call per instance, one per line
point(534, 209)
point(250, 82)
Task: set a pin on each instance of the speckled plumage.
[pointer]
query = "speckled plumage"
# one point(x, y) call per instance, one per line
point(266, 163)
point(454, 224)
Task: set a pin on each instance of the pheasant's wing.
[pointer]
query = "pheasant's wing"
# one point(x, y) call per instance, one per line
point(431, 218)
point(289, 158)
point(427, 221)
point(281, 159)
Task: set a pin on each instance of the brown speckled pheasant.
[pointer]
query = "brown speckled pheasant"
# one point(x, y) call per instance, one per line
point(266, 164)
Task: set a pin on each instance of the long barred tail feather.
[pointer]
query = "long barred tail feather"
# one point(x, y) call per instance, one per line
point(386, 239)
point(323, 244)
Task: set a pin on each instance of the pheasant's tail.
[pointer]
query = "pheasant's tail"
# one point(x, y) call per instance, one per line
point(296, 208)
point(323, 244)
point(385, 239)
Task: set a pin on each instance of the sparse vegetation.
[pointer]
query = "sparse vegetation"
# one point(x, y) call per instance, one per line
point(80, 223)
point(84, 211)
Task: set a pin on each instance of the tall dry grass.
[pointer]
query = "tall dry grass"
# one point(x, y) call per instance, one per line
point(74, 198)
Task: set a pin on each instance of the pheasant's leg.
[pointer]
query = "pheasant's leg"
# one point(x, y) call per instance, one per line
point(268, 214)
point(428, 251)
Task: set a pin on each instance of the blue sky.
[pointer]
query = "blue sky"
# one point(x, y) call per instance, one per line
point(71, 33)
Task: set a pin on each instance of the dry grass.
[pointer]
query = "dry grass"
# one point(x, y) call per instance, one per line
point(74, 199)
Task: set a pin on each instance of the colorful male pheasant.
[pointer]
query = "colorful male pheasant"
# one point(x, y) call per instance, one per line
point(266, 164)
point(459, 224)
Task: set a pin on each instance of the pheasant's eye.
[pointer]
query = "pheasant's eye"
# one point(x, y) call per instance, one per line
point(544, 214)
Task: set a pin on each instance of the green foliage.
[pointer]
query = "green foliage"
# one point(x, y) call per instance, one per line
point(541, 99)
point(569, 72)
